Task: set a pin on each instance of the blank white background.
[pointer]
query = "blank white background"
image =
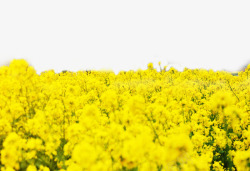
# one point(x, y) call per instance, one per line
point(123, 35)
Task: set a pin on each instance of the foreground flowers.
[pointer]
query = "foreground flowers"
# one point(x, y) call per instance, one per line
point(136, 120)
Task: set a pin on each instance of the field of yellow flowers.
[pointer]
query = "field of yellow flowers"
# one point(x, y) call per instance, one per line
point(135, 120)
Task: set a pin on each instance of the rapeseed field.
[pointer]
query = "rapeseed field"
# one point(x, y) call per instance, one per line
point(142, 120)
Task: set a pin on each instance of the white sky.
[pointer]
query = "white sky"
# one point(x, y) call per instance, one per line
point(123, 35)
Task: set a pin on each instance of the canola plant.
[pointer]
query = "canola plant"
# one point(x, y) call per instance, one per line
point(136, 120)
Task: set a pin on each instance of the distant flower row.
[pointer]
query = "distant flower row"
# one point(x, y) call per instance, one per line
point(135, 120)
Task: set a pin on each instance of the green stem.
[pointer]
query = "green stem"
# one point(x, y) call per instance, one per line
point(233, 91)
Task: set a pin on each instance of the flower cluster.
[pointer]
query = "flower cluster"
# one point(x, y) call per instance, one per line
point(135, 120)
